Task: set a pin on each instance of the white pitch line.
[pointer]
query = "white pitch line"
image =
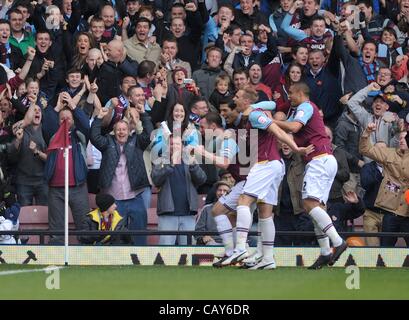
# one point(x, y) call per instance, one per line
point(10, 272)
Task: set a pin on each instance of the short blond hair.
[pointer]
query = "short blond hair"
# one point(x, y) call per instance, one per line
point(250, 94)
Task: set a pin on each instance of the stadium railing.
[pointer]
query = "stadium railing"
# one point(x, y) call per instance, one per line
point(43, 233)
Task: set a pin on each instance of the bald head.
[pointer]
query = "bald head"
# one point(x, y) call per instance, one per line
point(108, 16)
point(115, 50)
point(94, 57)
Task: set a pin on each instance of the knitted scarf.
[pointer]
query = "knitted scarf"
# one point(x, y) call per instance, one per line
point(370, 69)
point(120, 108)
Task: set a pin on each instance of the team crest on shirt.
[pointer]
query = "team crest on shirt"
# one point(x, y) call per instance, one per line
point(261, 120)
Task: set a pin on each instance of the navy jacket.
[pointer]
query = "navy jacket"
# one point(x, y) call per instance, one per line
point(371, 180)
point(325, 93)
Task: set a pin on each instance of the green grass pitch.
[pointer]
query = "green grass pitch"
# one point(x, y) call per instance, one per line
point(169, 283)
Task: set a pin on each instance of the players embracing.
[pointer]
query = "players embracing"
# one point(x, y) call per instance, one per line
point(260, 186)
point(307, 127)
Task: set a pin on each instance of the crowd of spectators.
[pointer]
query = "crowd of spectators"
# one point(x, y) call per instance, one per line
point(127, 74)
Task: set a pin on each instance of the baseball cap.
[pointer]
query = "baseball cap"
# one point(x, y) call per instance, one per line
point(381, 96)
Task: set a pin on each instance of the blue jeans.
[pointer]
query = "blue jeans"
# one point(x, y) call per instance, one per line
point(134, 212)
point(175, 223)
point(26, 194)
point(146, 196)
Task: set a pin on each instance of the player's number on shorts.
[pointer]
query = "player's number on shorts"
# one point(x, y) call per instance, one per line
point(304, 186)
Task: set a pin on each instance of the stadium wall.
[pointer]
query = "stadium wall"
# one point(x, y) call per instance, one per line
point(190, 256)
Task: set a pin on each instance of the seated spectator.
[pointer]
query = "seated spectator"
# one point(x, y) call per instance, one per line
point(9, 214)
point(177, 198)
point(206, 220)
point(390, 198)
point(105, 218)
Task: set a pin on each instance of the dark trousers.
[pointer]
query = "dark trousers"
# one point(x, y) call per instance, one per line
point(92, 181)
point(26, 194)
point(135, 213)
point(78, 203)
point(292, 222)
point(394, 223)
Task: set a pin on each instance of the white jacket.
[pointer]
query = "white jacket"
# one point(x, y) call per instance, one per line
point(7, 225)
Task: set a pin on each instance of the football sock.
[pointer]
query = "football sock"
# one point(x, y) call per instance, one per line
point(322, 239)
point(321, 217)
point(259, 251)
point(268, 233)
point(226, 233)
point(242, 226)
